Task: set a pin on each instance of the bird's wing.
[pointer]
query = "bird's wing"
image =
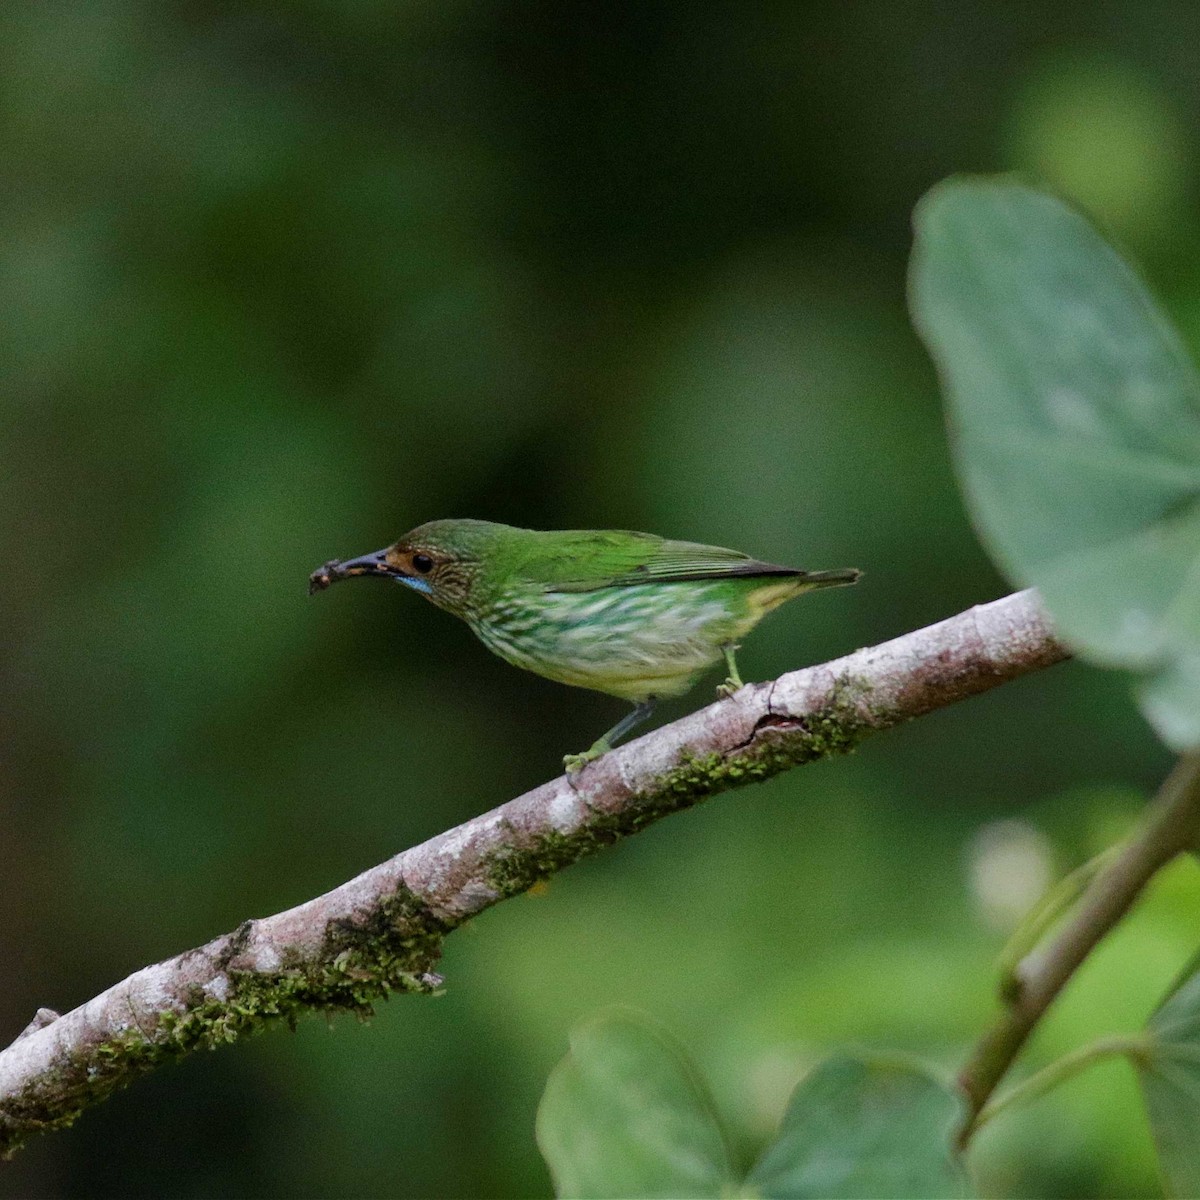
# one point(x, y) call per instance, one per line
point(589, 562)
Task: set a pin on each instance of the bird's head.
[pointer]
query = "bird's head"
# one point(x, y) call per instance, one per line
point(441, 560)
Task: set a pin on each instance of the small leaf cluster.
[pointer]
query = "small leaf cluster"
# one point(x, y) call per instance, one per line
point(626, 1113)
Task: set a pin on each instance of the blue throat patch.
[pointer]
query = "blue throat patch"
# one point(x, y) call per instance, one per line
point(417, 585)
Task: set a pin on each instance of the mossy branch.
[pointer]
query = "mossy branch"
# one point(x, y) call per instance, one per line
point(383, 931)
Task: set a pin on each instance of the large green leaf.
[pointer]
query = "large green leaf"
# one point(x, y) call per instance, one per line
point(624, 1114)
point(864, 1128)
point(1169, 1069)
point(1075, 419)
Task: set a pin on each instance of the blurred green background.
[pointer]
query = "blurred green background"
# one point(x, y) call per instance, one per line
point(280, 281)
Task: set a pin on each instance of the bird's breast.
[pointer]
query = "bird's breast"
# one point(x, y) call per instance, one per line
point(630, 641)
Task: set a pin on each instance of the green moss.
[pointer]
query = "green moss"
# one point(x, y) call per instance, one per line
point(360, 963)
point(512, 870)
point(395, 947)
point(839, 726)
point(777, 745)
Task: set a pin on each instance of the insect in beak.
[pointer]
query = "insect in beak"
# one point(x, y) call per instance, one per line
point(335, 570)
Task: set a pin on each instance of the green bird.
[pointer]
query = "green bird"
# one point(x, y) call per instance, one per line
point(630, 614)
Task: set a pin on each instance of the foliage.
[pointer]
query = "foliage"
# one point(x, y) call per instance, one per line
point(1075, 412)
point(1169, 1067)
point(625, 1115)
point(864, 1127)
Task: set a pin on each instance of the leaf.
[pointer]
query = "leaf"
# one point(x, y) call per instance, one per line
point(625, 1114)
point(1169, 1070)
point(1075, 419)
point(864, 1128)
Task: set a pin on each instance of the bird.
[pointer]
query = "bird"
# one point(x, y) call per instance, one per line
point(633, 615)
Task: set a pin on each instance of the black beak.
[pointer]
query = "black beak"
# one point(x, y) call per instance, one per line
point(335, 570)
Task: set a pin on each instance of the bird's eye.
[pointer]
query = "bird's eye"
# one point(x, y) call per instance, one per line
point(422, 563)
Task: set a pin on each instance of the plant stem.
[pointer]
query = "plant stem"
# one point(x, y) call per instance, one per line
point(1062, 1069)
point(1044, 915)
point(1171, 826)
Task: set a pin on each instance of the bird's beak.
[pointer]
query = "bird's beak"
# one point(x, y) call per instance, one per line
point(335, 570)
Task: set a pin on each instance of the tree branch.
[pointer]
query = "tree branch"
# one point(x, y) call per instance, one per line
point(1171, 826)
point(383, 930)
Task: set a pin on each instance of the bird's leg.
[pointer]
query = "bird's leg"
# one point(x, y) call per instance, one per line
point(734, 682)
point(576, 762)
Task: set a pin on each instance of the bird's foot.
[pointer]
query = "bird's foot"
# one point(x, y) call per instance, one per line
point(734, 681)
point(575, 763)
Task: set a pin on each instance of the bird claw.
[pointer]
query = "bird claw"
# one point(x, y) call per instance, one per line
point(574, 763)
point(729, 687)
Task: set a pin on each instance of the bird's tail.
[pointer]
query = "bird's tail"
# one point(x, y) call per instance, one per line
point(771, 593)
point(822, 579)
